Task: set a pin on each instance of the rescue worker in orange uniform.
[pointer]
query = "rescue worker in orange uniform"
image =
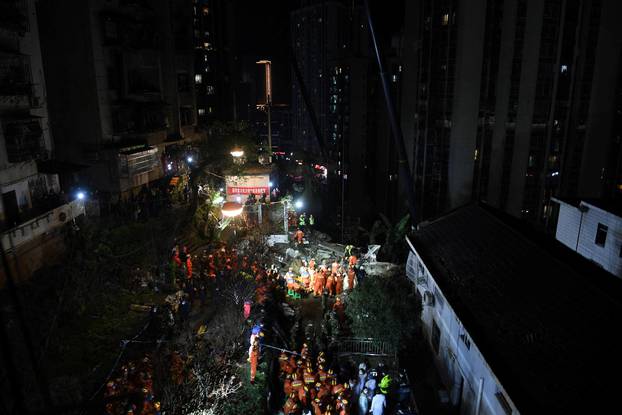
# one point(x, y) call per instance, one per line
point(299, 236)
point(338, 284)
point(334, 267)
point(291, 406)
point(351, 275)
point(287, 385)
point(254, 360)
point(320, 280)
point(352, 261)
point(330, 285)
point(189, 267)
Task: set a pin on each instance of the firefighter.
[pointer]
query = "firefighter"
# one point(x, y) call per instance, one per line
point(338, 284)
point(351, 276)
point(352, 261)
point(320, 280)
point(334, 267)
point(309, 377)
point(291, 406)
point(254, 359)
point(302, 220)
point(189, 267)
point(317, 406)
point(311, 220)
point(287, 385)
point(299, 236)
point(330, 285)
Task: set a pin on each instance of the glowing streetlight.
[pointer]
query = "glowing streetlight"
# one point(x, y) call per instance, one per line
point(169, 166)
point(231, 209)
point(270, 184)
point(298, 204)
point(189, 159)
point(237, 152)
point(80, 195)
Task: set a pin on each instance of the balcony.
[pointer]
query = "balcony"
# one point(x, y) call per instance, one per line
point(24, 140)
point(138, 161)
point(15, 86)
point(42, 224)
point(139, 117)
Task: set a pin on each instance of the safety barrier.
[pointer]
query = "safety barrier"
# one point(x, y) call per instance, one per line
point(366, 347)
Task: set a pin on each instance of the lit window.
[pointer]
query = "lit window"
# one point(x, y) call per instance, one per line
point(601, 235)
point(201, 111)
point(394, 78)
point(210, 109)
point(564, 68)
point(205, 10)
point(209, 90)
point(198, 78)
point(445, 19)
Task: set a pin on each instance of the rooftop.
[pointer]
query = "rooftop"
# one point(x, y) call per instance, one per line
point(611, 206)
point(543, 317)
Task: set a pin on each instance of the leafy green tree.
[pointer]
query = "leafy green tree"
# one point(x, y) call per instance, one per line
point(384, 308)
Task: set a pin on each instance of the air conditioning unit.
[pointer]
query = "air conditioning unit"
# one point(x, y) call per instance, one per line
point(428, 298)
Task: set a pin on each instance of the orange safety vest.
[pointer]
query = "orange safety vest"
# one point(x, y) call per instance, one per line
point(309, 378)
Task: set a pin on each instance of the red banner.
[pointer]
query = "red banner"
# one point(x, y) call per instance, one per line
point(257, 191)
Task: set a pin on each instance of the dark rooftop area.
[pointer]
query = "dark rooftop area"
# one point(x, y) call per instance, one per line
point(544, 318)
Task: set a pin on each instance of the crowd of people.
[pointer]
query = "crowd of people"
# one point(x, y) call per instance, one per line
point(333, 279)
point(131, 390)
point(312, 386)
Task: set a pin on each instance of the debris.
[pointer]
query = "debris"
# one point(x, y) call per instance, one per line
point(372, 251)
point(292, 253)
point(140, 308)
point(382, 268)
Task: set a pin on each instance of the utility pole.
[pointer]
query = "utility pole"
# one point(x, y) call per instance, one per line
point(268, 105)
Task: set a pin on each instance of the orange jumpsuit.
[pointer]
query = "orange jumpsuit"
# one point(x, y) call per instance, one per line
point(352, 261)
point(338, 284)
point(351, 279)
point(319, 284)
point(254, 359)
point(330, 284)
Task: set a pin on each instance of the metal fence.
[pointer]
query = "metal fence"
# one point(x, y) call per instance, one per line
point(271, 218)
point(366, 347)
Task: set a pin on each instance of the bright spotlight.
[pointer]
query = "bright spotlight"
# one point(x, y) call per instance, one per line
point(270, 184)
point(81, 195)
point(298, 204)
point(170, 166)
point(189, 159)
point(238, 198)
point(221, 189)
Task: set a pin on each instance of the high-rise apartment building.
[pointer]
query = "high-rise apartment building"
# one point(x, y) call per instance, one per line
point(24, 133)
point(213, 23)
point(32, 208)
point(120, 84)
point(511, 101)
point(330, 43)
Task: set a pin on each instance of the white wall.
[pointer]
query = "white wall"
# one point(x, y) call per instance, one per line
point(454, 360)
point(570, 224)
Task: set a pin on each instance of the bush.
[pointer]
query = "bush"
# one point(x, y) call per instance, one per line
point(384, 308)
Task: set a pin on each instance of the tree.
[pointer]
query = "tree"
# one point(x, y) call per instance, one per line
point(384, 308)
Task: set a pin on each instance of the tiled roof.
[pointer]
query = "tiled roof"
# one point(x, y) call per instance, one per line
point(546, 320)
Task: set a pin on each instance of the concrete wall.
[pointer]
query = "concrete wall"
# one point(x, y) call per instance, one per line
point(470, 48)
point(572, 223)
point(568, 225)
point(454, 360)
